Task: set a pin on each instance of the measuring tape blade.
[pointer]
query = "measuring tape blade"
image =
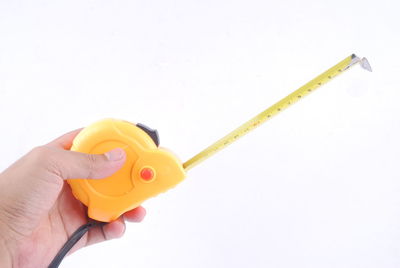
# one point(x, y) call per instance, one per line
point(277, 108)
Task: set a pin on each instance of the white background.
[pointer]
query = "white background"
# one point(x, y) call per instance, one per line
point(317, 186)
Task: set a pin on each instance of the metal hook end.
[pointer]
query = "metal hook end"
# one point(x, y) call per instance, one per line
point(363, 62)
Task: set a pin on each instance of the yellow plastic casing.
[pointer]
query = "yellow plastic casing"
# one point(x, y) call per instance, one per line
point(109, 198)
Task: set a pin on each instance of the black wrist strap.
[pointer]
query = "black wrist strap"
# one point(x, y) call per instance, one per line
point(75, 237)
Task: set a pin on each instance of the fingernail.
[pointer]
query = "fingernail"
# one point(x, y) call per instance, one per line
point(115, 154)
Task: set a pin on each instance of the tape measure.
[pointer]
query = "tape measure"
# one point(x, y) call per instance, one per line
point(150, 170)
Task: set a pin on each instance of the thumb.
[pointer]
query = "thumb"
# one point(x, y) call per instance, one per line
point(75, 165)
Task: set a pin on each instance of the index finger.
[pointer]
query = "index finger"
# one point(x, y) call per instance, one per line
point(65, 141)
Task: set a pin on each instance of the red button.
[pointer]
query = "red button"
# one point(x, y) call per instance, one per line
point(147, 174)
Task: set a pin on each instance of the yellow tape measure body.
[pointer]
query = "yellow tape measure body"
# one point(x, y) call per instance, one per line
point(150, 170)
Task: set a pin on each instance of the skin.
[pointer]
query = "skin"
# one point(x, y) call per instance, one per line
point(38, 212)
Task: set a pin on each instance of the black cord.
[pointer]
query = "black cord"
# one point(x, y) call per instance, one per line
point(75, 237)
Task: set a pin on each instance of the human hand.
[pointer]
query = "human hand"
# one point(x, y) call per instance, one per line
point(38, 212)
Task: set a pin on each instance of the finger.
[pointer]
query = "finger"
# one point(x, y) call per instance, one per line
point(114, 229)
point(135, 215)
point(65, 141)
point(75, 165)
point(109, 231)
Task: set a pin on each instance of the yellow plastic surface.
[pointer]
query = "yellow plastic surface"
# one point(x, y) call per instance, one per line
point(109, 198)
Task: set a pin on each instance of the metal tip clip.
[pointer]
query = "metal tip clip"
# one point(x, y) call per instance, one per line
point(363, 62)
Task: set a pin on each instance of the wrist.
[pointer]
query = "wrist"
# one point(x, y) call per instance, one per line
point(5, 253)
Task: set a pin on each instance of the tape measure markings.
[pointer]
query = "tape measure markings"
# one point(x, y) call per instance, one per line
point(277, 108)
